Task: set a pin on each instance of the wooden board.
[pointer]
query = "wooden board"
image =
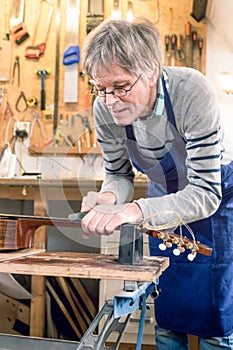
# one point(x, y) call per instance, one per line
point(83, 265)
point(19, 254)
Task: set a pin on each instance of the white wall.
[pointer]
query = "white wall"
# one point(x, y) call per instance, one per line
point(220, 54)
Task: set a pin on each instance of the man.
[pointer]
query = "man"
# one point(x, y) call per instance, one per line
point(164, 121)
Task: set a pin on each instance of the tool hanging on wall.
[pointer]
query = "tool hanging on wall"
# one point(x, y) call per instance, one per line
point(17, 26)
point(71, 55)
point(16, 69)
point(2, 93)
point(21, 103)
point(57, 65)
point(200, 47)
point(42, 26)
point(188, 44)
point(6, 19)
point(180, 56)
point(36, 120)
point(199, 9)
point(95, 14)
point(167, 47)
point(173, 49)
point(42, 74)
point(194, 49)
point(8, 113)
point(32, 101)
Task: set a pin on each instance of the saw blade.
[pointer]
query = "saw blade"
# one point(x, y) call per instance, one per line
point(17, 13)
point(71, 41)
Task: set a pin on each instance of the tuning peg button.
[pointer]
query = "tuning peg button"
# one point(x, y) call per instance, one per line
point(162, 246)
point(176, 252)
point(191, 256)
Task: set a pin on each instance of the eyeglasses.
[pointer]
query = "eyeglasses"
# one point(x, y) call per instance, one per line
point(119, 92)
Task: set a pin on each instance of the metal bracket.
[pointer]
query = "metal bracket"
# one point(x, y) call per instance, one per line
point(93, 341)
point(117, 314)
point(131, 245)
point(127, 302)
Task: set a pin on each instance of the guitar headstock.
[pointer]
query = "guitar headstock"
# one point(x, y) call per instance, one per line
point(181, 243)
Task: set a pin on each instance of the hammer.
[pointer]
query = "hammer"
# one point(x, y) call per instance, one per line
point(42, 73)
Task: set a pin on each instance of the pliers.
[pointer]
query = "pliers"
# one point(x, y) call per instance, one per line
point(37, 120)
point(16, 66)
point(8, 111)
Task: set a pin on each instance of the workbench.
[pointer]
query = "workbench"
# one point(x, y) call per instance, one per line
point(41, 191)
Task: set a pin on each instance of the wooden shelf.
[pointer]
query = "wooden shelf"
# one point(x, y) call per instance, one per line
point(63, 151)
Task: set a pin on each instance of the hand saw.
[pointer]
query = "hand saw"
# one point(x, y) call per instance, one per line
point(71, 55)
point(46, 11)
point(18, 28)
point(17, 14)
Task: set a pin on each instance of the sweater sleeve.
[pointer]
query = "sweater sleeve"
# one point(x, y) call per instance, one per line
point(198, 121)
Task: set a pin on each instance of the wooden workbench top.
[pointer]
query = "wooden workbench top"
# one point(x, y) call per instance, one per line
point(82, 265)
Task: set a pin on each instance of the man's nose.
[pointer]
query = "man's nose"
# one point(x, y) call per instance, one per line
point(111, 99)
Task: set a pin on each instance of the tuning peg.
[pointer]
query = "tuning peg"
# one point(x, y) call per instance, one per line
point(191, 256)
point(168, 244)
point(162, 246)
point(175, 240)
point(176, 252)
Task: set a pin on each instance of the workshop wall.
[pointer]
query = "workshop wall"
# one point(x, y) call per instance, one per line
point(170, 16)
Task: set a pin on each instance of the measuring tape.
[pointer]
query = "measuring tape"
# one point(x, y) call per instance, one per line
point(32, 101)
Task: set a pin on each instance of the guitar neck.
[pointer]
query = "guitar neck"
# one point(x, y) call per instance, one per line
point(27, 224)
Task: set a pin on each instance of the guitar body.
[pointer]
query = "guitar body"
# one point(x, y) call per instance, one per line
point(16, 232)
point(8, 235)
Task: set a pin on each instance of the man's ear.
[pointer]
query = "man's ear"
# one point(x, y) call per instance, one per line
point(155, 76)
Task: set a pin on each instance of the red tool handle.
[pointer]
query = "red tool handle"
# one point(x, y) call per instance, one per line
point(174, 41)
point(200, 44)
point(35, 51)
point(187, 29)
point(167, 42)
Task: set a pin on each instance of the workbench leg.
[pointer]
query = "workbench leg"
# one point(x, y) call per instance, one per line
point(37, 310)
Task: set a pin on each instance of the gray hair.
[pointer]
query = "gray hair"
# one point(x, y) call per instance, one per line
point(134, 46)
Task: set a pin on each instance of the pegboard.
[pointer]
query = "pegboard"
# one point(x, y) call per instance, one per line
point(170, 17)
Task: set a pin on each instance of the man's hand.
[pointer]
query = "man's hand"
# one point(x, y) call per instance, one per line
point(96, 198)
point(104, 219)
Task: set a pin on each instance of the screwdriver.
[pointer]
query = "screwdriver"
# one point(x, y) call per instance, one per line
point(194, 49)
point(200, 47)
point(167, 43)
point(188, 46)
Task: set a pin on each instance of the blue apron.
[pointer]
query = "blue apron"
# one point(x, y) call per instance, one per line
point(196, 297)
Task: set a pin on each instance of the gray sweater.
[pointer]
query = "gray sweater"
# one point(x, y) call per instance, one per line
point(198, 121)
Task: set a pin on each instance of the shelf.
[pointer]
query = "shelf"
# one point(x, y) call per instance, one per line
point(70, 151)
